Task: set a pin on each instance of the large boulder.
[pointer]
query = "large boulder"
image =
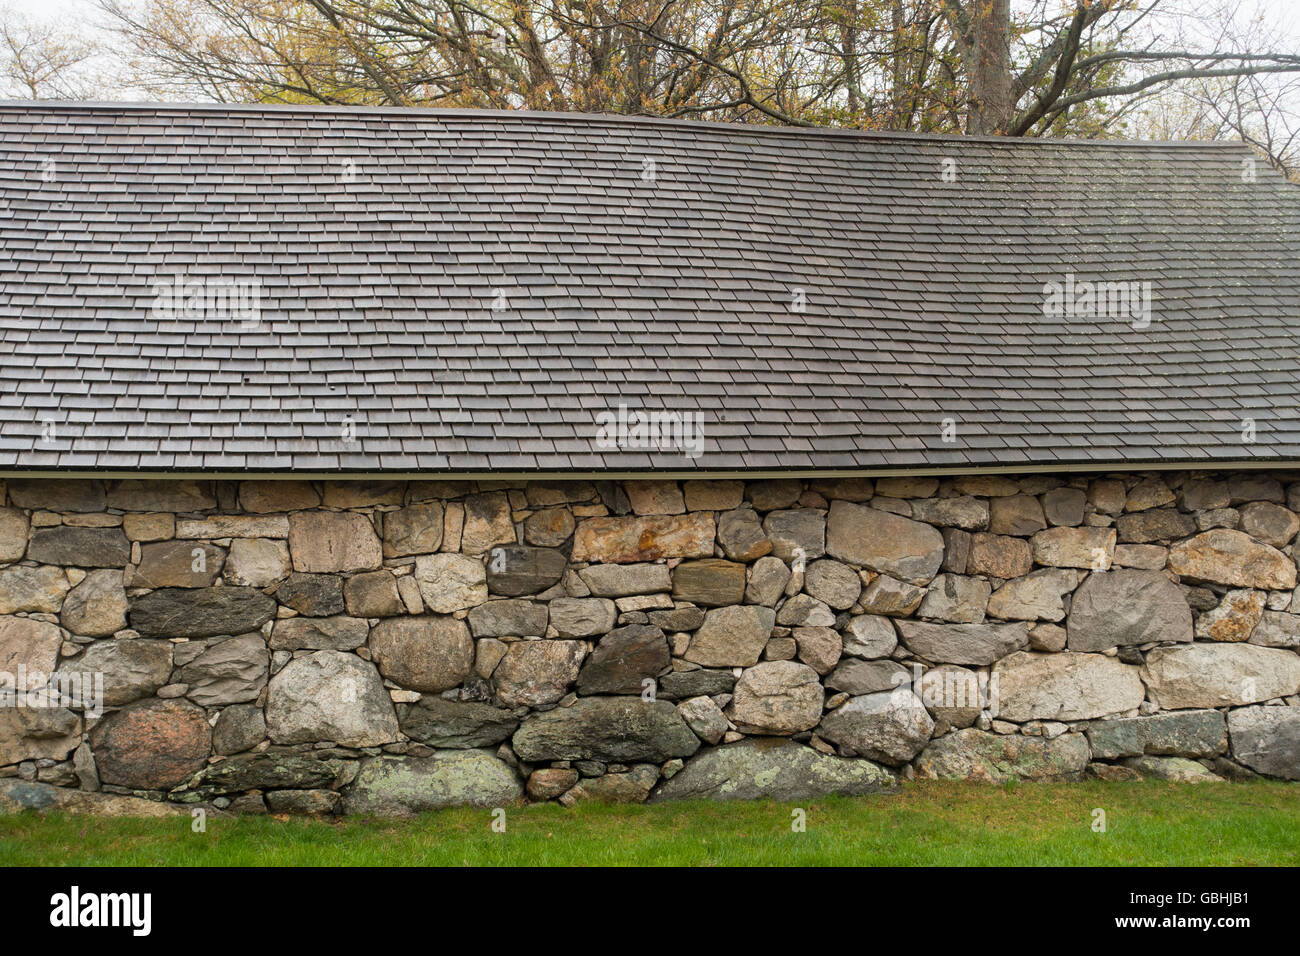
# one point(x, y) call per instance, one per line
point(537, 673)
point(624, 659)
point(457, 724)
point(970, 644)
point(399, 786)
point(1219, 675)
point(891, 544)
point(772, 769)
point(330, 696)
point(326, 542)
point(612, 729)
point(1267, 740)
point(889, 726)
point(732, 636)
point(623, 540)
point(152, 745)
point(1123, 608)
point(1064, 686)
point(1224, 556)
point(200, 612)
point(977, 755)
point(429, 654)
point(776, 697)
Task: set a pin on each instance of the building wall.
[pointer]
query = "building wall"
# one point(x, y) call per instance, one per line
point(390, 646)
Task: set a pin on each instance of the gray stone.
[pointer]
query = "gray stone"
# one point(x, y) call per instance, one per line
point(428, 654)
point(66, 494)
point(818, 647)
point(46, 733)
point(509, 618)
point(891, 597)
point(1035, 597)
point(233, 671)
point(584, 617)
point(804, 610)
point(131, 669)
point(240, 727)
point(953, 597)
point(798, 533)
point(1192, 733)
point(1219, 675)
point(680, 685)
point(13, 535)
point(954, 696)
point(867, 677)
point(612, 729)
point(161, 494)
point(1066, 686)
point(1175, 769)
point(451, 582)
point(80, 547)
point(965, 512)
point(537, 673)
point(315, 595)
point(200, 612)
point(400, 786)
point(1277, 629)
point(329, 695)
point(832, 583)
point(457, 725)
point(319, 633)
point(517, 570)
point(891, 544)
point(1267, 740)
point(1269, 523)
point(869, 636)
point(704, 717)
point(273, 770)
point(773, 493)
point(971, 644)
point(1123, 608)
point(625, 580)
point(767, 580)
point(1159, 524)
point(891, 726)
point(258, 562)
point(1064, 506)
point(956, 550)
point(772, 769)
point(18, 796)
point(624, 659)
point(776, 697)
point(983, 757)
point(732, 636)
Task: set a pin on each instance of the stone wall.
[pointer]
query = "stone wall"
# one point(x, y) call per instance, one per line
point(393, 646)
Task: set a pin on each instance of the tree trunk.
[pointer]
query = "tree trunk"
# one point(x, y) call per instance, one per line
point(991, 106)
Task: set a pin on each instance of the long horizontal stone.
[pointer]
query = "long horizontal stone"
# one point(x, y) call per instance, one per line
point(975, 644)
point(646, 538)
point(234, 526)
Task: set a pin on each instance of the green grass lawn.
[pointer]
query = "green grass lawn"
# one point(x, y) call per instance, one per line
point(931, 823)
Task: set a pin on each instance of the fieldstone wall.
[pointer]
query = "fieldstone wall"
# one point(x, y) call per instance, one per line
point(387, 647)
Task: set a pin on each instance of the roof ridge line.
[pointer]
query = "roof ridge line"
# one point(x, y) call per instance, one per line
point(612, 118)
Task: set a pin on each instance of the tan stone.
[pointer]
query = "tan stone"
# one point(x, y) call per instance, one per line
point(328, 542)
point(999, 556)
point(233, 526)
point(178, 564)
point(1231, 557)
point(487, 523)
point(625, 540)
point(267, 497)
point(429, 654)
point(1235, 617)
point(146, 527)
point(713, 495)
point(654, 497)
point(416, 529)
point(258, 562)
point(40, 589)
point(31, 645)
point(363, 494)
point(1086, 548)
